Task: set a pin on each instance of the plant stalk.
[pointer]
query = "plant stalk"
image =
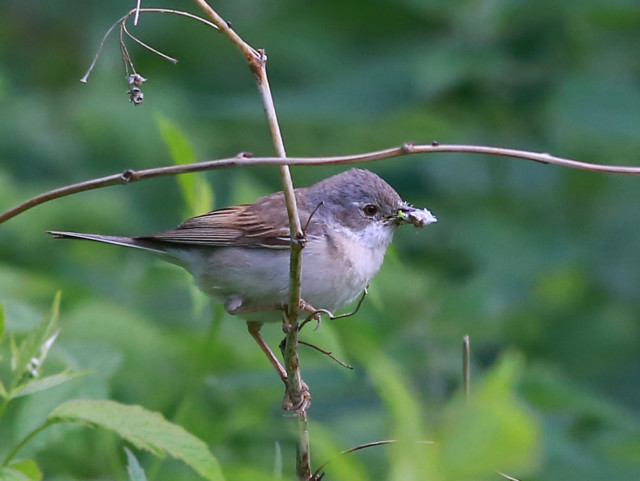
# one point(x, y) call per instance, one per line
point(24, 441)
point(257, 63)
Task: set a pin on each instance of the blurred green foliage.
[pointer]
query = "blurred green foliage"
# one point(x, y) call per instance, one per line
point(134, 424)
point(536, 260)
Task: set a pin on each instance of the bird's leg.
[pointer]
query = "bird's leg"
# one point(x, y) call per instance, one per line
point(233, 305)
point(254, 330)
point(287, 404)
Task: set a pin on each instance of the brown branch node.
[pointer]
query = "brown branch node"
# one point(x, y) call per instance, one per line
point(128, 176)
point(408, 147)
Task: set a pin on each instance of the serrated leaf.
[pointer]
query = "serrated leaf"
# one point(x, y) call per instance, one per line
point(46, 383)
point(136, 473)
point(37, 343)
point(145, 430)
point(28, 467)
point(8, 474)
point(196, 192)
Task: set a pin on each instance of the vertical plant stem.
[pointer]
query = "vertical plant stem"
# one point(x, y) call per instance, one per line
point(295, 386)
point(303, 453)
point(291, 357)
point(4, 405)
point(292, 208)
point(466, 367)
point(24, 441)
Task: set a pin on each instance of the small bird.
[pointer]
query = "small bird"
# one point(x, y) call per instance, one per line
point(240, 254)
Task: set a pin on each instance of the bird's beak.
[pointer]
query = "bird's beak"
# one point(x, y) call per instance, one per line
point(417, 217)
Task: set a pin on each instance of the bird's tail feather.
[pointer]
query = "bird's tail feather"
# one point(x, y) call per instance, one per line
point(112, 239)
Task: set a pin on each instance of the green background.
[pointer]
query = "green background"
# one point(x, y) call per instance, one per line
point(539, 265)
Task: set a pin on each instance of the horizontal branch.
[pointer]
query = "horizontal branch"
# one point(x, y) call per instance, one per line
point(244, 159)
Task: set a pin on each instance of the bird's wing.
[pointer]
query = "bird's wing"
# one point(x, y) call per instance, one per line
point(263, 224)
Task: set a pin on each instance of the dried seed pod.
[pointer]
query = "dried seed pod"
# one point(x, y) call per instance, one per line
point(136, 96)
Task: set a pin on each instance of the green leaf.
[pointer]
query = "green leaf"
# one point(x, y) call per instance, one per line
point(409, 458)
point(145, 430)
point(29, 356)
point(136, 473)
point(493, 432)
point(27, 467)
point(46, 383)
point(196, 192)
point(9, 474)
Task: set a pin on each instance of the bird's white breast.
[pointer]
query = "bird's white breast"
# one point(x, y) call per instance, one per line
point(335, 271)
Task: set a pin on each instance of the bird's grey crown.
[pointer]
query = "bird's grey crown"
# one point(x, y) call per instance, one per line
point(348, 192)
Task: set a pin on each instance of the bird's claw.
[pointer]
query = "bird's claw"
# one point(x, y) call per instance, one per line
point(301, 404)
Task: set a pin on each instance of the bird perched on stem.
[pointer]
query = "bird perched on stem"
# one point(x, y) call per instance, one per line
point(240, 254)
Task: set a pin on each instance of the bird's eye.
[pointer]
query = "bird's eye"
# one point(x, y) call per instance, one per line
point(370, 209)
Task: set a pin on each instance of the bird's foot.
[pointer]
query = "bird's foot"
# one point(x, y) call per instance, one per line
point(302, 400)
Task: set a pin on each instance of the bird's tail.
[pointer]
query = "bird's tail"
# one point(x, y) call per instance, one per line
point(146, 245)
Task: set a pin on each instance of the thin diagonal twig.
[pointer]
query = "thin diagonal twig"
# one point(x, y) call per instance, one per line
point(97, 55)
point(121, 21)
point(326, 353)
point(318, 474)
point(506, 476)
point(148, 47)
point(126, 58)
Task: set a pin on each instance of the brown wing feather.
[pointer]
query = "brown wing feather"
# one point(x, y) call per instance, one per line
point(242, 225)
